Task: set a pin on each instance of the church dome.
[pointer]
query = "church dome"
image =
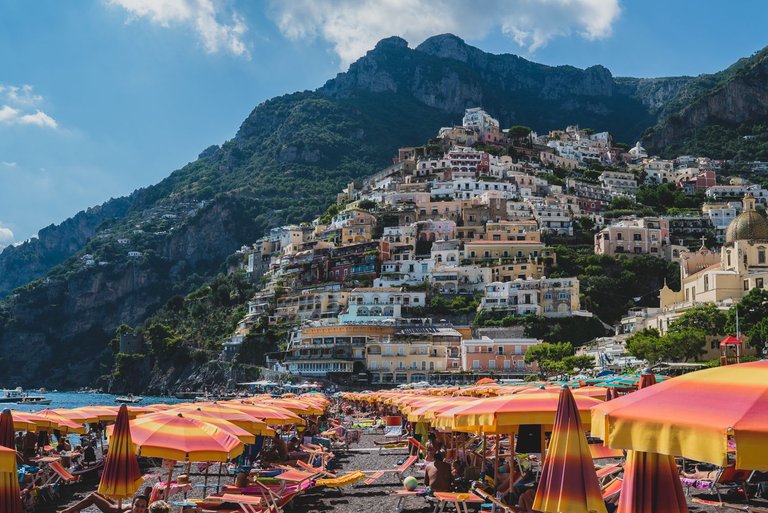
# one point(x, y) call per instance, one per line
point(749, 225)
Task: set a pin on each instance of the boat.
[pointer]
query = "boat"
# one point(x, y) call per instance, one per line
point(129, 399)
point(11, 395)
point(33, 399)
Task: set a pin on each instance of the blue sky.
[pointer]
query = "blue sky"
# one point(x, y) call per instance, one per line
point(100, 97)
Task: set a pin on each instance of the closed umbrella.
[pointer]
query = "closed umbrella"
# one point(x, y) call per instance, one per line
point(121, 476)
point(568, 480)
point(10, 497)
point(651, 481)
point(693, 416)
point(7, 434)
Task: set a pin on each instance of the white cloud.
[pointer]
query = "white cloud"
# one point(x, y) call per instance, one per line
point(203, 16)
point(355, 26)
point(16, 99)
point(5, 163)
point(6, 237)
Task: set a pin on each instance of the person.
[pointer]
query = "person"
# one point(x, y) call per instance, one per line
point(160, 507)
point(460, 483)
point(437, 474)
point(280, 447)
point(28, 445)
point(19, 441)
point(138, 505)
point(525, 502)
point(241, 480)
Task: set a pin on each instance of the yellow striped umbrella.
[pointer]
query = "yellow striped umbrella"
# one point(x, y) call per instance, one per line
point(272, 415)
point(244, 421)
point(63, 424)
point(10, 497)
point(511, 410)
point(88, 414)
point(23, 421)
point(176, 437)
point(296, 406)
point(568, 480)
point(228, 426)
point(694, 415)
point(121, 477)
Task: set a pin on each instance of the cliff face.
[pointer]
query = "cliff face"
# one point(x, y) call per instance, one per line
point(55, 334)
point(737, 95)
point(54, 244)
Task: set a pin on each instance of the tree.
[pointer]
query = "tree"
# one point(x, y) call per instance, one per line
point(645, 345)
point(579, 362)
point(684, 344)
point(707, 318)
point(519, 131)
point(752, 312)
point(549, 357)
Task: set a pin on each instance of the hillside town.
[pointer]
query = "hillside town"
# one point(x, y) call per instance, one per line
point(458, 218)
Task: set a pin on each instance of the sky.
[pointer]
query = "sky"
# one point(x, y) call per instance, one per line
point(101, 97)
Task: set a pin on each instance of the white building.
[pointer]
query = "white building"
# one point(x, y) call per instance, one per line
point(376, 304)
point(550, 297)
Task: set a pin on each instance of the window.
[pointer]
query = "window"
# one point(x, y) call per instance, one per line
point(706, 283)
point(475, 364)
point(638, 237)
point(759, 283)
point(761, 255)
point(492, 364)
point(618, 236)
point(746, 284)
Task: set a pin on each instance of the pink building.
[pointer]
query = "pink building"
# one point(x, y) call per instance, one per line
point(500, 355)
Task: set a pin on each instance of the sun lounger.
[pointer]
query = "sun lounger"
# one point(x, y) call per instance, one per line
point(497, 505)
point(310, 468)
point(418, 445)
point(399, 444)
point(604, 474)
point(60, 474)
point(727, 479)
point(374, 477)
point(599, 451)
point(612, 490)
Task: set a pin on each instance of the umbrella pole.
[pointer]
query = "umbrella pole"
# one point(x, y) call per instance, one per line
point(496, 461)
point(485, 446)
point(205, 485)
point(218, 480)
point(168, 484)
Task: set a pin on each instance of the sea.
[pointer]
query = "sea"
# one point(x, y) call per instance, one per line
point(77, 399)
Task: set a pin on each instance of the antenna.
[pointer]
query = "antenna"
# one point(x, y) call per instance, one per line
point(737, 323)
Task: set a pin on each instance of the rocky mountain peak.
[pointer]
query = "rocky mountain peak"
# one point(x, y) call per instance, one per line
point(391, 42)
point(447, 46)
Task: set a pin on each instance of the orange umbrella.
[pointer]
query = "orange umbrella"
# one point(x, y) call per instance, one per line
point(176, 437)
point(273, 415)
point(233, 429)
point(62, 423)
point(651, 481)
point(88, 414)
point(242, 420)
point(694, 416)
point(485, 381)
point(10, 498)
point(7, 435)
point(121, 477)
point(23, 421)
point(568, 479)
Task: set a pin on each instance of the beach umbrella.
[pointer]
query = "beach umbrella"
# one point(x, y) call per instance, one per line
point(10, 497)
point(233, 429)
point(89, 414)
point(694, 416)
point(651, 481)
point(177, 437)
point(23, 421)
point(568, 479)
point(61, 423)
point(297, 406)
point(121, 476)
point(512, 410)
point(7, 434)
point(272, 415)
point(242, 420)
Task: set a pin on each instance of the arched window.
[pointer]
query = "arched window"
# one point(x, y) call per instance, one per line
point(728, 256)
point(761, 255)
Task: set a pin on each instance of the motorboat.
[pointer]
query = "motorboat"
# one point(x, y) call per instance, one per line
point(129, 399)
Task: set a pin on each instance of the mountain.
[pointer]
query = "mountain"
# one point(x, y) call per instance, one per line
point(69, 289)
point(710, 114)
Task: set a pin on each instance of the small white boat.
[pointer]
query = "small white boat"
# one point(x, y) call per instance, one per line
point(129, 399)
point(34, 399)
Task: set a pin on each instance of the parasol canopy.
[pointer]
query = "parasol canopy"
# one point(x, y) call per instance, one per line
point(176, 437)
point(693, 416)
point(7, 434)
point(651, 485)
point(121, 476)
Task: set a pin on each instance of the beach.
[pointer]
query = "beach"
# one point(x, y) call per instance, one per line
point(359, 497)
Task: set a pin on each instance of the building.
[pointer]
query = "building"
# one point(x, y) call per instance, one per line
point(373, 304)
point(742, 265)
point(480, 250)
point(550, 297)
point(616, 182)
point(645, 236)
point(412, 353)
point(487, 128)
point(504, 355)
point(334, 352)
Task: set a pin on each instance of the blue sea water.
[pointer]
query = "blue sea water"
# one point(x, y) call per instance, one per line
point(74, 400)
